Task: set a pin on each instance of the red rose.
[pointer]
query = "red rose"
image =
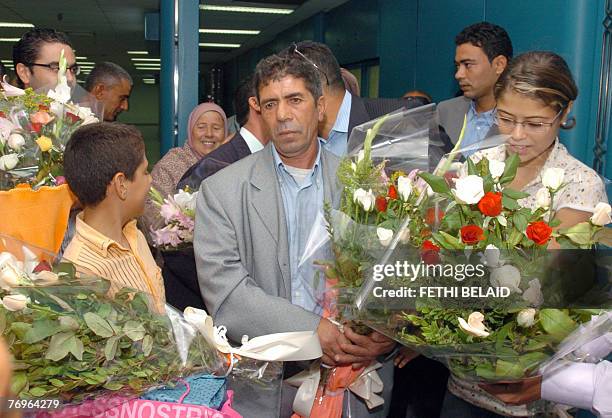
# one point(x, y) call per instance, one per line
point(490, 204)
point(381, 204)
point(73, 118)
point(471, 234)
point(429, 253)
point(36, 127)
point(392, 193)
point(539, 232)
point(2, 115)
point(433, 217)
point(42, 266)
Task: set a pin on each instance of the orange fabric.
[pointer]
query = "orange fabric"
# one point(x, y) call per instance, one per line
point(37, 217)
point(328, 400)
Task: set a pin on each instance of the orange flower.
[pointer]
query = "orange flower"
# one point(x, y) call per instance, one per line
point(41, 117)
point(471, 234)
point(490, 204)
point(381, 204)
point(539, 232)
point(392, 193)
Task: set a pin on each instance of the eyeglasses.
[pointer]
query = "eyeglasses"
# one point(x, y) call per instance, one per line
point(529, 127)
point(54, 66)
point(308, 60)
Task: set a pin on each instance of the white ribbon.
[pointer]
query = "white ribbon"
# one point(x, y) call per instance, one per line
point(366, 386)
point(284, 346)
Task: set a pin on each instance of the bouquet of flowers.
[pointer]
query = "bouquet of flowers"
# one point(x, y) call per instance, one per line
point(482, 293)
point(34, 129)
point(178, 212)
point(69, 340)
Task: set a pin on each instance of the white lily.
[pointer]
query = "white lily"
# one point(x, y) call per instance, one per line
point(365, 198)
point(404, 187)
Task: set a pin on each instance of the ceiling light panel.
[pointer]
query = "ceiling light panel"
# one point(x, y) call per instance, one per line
point(231, 31)
point(244, 9)
point(138, 52)
point(9, 39)
point(146, 59)
point(218, 45)
point(15, 25)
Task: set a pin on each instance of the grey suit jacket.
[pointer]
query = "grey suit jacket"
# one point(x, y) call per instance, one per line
point(241, 247)
point(451, 113)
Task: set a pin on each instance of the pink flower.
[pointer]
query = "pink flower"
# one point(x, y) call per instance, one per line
point(169, 211)
point(41, 117)
point(184, 221)
point(168, 235)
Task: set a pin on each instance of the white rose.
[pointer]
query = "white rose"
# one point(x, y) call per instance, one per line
point(9, 276)
point(506, 276)
point(533, 294)
point(186, 200)
point(474, 325)
point(15, 302)
point(45, 277)
point(404, 187)
point(601, 214)
point(496, 168)
point(543, 198)
point(16, 141)
point(384, 236)
point(553, 178)
point(57, 109)
point(469, 189)
point(492, 256)
point(8, 162)
point(526, 317)
point(366, 199)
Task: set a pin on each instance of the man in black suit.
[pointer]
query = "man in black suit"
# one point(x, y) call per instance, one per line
point(179, 270)
point(252, 137)
point(343, 110)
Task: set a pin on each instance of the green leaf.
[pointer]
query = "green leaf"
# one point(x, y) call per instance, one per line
point(68, 323)
point(38, 391)
point(20, 329)
point(514, 194)
point(110, 349)
point(472, 171)
point(59, 347)
point(508, 369)
point(510, 203)
point(147, 345)
point(455, 243)
point(557, 322)
point(76, 348)
point(104, 310)
point(134, 330)
point(2, 321)
point(530, 361)
point(19, 382)
point(41, 329)
point(437, 183)
point(580, 234)
point(98, 325)
point(113, 386)
point(520, 221)
point(512, 164)
point(33, 349)
point(485, 370)
point(66, 268)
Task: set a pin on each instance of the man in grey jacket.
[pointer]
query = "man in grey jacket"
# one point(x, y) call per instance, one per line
point(482, 54)
point(253, 220)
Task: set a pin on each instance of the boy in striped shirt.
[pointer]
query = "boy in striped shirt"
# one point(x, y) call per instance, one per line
point(106, 168)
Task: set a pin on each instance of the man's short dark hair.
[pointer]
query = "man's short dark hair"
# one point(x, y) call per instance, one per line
point(276, 67)
point(27, 49)
point(323, 57)
point(107, 73)
point(493, 39)
point(95, 153)
point(245, 90)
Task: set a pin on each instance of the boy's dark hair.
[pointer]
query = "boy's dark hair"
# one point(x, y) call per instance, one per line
point(275, 67)
point(323, 57)
point(107, 73)
point(245, 90)
point(493, 39)
point(26, 50)
point(95, 153)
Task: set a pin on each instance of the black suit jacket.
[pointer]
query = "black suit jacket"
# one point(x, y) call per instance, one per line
point(228, 153)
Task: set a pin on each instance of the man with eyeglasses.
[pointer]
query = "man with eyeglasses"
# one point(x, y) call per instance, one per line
point(344, 110)
point(482, 54)
point(36, 58)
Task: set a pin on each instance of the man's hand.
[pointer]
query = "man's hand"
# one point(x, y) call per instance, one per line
point(367, 347)
point(332, 340)
point(516, 393)
point(404, 356)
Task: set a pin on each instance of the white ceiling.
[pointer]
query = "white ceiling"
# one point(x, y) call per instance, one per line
point(103, 30)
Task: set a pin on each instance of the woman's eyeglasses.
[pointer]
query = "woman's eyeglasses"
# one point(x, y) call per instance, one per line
point(54, 66)
point(308, 60)
point(506, 123)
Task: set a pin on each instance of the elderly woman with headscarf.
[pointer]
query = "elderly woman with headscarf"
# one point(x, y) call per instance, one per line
point(207, 131)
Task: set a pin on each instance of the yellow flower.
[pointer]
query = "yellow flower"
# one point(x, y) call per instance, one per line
point(44, 143)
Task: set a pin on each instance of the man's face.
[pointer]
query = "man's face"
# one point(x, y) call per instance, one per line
point(138, 189)
point(291, 114)
point(115, 98)
point(475, 74)
point(37, 76)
